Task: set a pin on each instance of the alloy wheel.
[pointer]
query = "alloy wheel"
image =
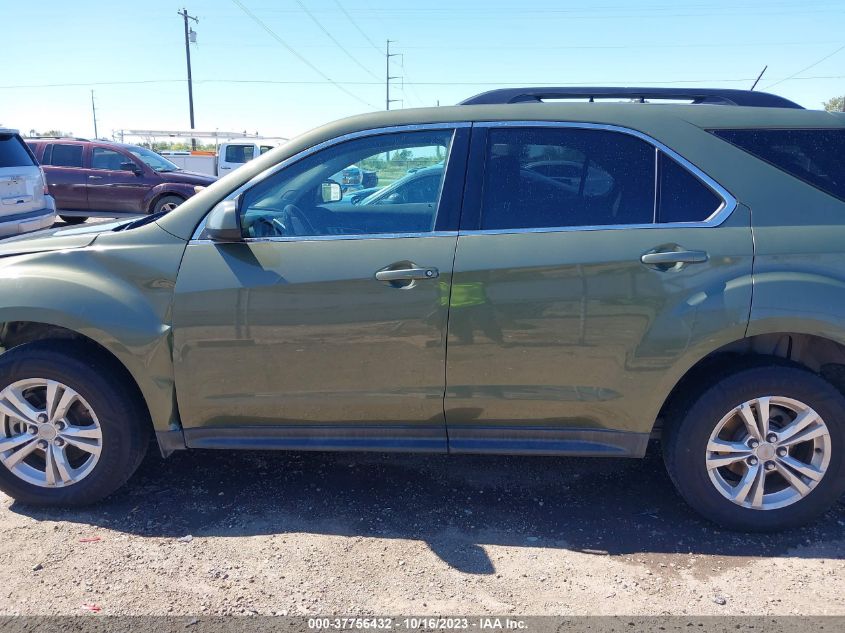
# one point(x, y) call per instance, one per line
point(768, 453)
point(49, 434)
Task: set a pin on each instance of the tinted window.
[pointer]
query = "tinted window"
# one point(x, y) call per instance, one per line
point(66, 155)
point(107, 159)
point(48, 153)
point(239, 153)
point(265, 148)
point(814, 156)
point(682, 197)
point(13, 152)
point(289, 203)
point(553, 177)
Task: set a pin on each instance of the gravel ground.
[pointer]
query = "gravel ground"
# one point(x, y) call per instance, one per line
point(208, 533)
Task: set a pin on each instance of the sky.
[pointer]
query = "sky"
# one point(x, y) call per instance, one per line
point(281, 67)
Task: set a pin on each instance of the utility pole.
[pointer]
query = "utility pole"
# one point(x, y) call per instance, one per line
point(94, 110)
point(387, 77)
point(189, 33)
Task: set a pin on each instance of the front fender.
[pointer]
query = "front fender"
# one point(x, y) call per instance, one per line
point(117, 292)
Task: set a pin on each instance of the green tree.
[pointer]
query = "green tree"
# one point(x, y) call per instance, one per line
point(836, 104)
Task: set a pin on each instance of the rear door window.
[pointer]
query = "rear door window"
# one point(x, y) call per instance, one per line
point(566, 177)
point(815, 156)
point(65, 155)
point(13, 152)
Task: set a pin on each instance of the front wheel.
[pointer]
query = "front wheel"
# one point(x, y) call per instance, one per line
point(73, 219)
point(166, 204)
point(72, 429)
point(761, 450)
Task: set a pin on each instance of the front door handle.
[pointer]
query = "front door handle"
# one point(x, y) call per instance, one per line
point(670, 258)
point(407, 274)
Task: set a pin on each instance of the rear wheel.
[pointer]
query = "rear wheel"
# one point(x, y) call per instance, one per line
point(71, 429)
point(166, 204)
point(761, 450)
point(73, 219)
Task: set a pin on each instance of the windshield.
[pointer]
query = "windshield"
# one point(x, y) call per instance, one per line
point(153, 160)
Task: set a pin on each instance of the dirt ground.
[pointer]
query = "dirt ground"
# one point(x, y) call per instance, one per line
point(208, 533)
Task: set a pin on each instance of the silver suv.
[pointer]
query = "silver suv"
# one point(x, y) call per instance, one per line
point(25, 204)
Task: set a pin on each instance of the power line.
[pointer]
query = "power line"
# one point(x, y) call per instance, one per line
point(296, 54)
point(338, 44)
point(816, 63)
point(358, 28)
point(283, 82)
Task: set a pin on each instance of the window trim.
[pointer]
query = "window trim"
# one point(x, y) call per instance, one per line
point(718, 217)
point(267, 173)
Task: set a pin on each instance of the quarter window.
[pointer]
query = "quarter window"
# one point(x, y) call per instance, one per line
point(297, 201)
point(562, 177)
point(66, 155)
point(682, 197)
point(815, 156)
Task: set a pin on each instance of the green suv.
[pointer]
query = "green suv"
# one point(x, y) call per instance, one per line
point(579, 278)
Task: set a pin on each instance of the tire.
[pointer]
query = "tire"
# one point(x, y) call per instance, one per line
point(688, 433)
point(73, 219)
point(167, 204)
point(119, 416)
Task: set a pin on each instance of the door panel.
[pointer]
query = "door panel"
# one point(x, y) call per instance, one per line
point(301, 333)
point(573, 330)
point(111, 188)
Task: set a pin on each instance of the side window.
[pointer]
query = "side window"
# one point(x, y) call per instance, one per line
point(563, 177)
point(65, 155)
point(298, 200)
point(48, 154)
point(240, 153)
point(265, 148)
point(107, 159)
point(681, 196)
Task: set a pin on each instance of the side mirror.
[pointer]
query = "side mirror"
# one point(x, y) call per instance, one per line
point(223, 223)
point(330, 191)
point(130, 166)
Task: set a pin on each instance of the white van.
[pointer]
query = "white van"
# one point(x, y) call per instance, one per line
point(25, 204)
point(234, 153)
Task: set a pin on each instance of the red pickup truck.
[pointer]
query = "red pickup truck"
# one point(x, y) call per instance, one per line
point(103, 178)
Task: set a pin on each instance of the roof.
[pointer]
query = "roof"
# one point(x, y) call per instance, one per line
point(8, 130)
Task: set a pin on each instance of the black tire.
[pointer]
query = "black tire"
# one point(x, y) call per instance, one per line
point(73, 219)
point(165, 202)
point(689, 427)
point(123, 417)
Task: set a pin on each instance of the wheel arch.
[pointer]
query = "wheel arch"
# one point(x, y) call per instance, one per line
point(821, 355)
point(160, 191)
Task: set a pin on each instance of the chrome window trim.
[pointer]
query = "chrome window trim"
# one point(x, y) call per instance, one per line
point(393, 129)
point(721, 214)
point(327, 238)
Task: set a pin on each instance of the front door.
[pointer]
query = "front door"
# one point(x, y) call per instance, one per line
point(326, 327)
point(593, 264)
point(117, 182)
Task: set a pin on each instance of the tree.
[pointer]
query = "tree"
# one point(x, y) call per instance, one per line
point(836, 104)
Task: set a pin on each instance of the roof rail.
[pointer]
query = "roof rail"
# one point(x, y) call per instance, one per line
point(716, 96)
point(63, 138)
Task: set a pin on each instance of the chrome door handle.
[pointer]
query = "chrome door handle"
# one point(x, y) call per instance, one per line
point(664, 258)
point(407, 274)
point(95, 177)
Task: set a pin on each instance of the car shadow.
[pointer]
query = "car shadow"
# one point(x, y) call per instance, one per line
point(457, 505)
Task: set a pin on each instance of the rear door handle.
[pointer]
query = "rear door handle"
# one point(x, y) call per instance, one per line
point(407, 274)
point(670, 258)
point(95, 177)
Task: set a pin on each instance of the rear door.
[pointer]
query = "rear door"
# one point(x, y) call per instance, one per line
point(21, 187)
point(67, 177)
point(573, 299)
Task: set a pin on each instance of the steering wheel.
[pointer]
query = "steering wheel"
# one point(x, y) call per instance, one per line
point(291, 222)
